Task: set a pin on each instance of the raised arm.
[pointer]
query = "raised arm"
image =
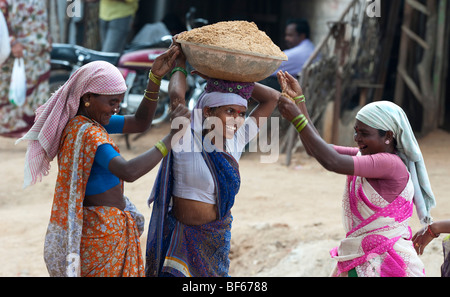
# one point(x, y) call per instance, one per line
point(177, 84)
point(323, 152)
point(133, 169)
point(267, 99)
point(142, 119)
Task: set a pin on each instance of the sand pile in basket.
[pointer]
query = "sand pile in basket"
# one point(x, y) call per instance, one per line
point(235, 35)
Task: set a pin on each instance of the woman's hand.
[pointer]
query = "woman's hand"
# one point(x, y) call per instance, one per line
point(164, 63)
point(287, 108)
point(17, 50)
point(181, 59)
point(421, 239)
point(289, 84)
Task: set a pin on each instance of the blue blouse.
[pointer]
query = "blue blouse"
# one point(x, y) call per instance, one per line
point(101, 179)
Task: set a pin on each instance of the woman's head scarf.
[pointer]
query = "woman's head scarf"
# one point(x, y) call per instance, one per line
point(387, 116)
point(219, 93)
point(97, 77)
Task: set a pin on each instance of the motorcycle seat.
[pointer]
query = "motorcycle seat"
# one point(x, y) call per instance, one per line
point(72, 53)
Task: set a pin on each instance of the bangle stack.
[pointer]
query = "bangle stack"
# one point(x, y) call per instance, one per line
point(154, 78)
point(297, 99)
point(301, 98)
point(157, 81)
point(150, 99)
point(162, 148)
point(301, 124)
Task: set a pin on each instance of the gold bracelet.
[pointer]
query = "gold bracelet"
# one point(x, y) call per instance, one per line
point(150, 92)
point(154, 79)
point(151, 99)
point(162, 148)
point(157, 76)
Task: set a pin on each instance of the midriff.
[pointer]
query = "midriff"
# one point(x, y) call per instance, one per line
point(194, 213)
point(112, 198)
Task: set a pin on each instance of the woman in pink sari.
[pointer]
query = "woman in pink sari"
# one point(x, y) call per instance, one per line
point(386, 178)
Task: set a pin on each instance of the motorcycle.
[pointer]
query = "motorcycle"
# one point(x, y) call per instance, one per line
point(134, 64)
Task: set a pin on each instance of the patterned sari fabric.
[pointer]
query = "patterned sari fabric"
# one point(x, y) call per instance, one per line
point(27, 24)
point(87, 241)
point(378, 240)
point(176, 249)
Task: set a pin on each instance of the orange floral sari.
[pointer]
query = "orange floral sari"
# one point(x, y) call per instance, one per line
point(88, 241)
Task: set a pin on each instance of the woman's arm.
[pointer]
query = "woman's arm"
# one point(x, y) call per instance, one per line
point(177, 84)
point(267, 99)
point(291, 87)
point(323, 152)
point(423, 237)
point(133, 169)
point(142, 119)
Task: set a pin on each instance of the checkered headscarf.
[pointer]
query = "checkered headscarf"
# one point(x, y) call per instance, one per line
point(97, 77)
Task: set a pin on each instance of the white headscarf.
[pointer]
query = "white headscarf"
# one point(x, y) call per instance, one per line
point(387, 116)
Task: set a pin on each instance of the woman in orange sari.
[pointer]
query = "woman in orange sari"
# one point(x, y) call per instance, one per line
point(94, 230)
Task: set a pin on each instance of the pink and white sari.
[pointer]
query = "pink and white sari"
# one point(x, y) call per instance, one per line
point(378, 240)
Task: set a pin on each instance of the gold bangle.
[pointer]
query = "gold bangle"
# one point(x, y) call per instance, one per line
point(154, 79)
point(150, 92)
point(151, 99)
point(162, 148)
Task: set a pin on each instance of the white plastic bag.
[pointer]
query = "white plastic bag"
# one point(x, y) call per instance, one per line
point(5, 47)
point(18, 84)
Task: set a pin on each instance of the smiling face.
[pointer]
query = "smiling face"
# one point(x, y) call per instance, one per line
point(369, 140)
point(101, 107)
point(231, 118)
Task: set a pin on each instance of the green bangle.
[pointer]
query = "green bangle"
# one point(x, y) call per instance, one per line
point(300, 97)
point(298, 117)
point(300, 129)
point(162, 148)
point(179, 69)
point(300, 123)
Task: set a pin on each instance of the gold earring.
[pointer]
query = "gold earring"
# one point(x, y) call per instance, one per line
point(87, 104)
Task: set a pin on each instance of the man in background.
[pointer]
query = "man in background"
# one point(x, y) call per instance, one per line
point(299, 49)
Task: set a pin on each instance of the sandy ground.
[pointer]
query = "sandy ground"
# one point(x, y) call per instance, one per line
point(286, 219)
